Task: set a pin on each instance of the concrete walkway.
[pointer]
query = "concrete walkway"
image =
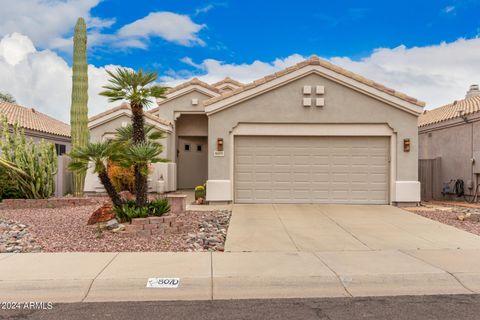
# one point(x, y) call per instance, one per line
point(316, 227)
point(75, 277)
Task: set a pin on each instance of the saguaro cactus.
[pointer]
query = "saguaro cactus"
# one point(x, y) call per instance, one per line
point(79, 108)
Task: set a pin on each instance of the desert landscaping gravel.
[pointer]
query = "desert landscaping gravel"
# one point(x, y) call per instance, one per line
point(65, 230)
point(449, 213)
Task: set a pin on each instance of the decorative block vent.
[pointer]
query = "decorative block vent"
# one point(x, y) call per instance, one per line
point(307, 89)
point(320, 90)
point(194, 101)
point(319, 102)
point(307, 102)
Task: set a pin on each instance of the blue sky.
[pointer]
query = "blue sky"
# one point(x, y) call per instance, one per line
point(243, 31)
point(427, 49)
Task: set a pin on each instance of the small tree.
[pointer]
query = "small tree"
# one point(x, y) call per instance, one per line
point(7, 97)
point(137, 88)
point(99, 154)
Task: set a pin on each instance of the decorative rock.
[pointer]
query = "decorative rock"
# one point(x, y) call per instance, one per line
point(102, 214)
point(14, 237)
point(112, 224)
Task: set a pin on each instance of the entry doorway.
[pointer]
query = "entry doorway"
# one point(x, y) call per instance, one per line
point(192, 161)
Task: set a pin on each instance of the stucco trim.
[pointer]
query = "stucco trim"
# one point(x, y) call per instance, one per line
point(319, 129)
point(182, 92)
point(321, 71)
point(124, 112)
point(189, 89)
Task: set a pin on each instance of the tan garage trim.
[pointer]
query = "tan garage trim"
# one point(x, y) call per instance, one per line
point(319, 130)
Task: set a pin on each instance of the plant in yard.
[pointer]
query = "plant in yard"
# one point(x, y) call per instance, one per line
point(32, 166)
point(8, 186)
point(137, 88)
point(98, 154)
point(7, 97)
point(199, 192)
point(159, 207)
point(128, 211)
point(79, 107)
point(123, 178)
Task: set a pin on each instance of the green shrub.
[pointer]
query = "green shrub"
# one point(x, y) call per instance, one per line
point(159, 207)
point(8, 187)
point(129, 211)
point(200, 192)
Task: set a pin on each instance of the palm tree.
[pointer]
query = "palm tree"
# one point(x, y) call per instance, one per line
point(123, 135)
point(137, 88)
point(98, 153)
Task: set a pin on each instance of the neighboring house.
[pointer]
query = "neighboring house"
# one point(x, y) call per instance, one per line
point(38, 126)
point(451, 134)
point(312, 133)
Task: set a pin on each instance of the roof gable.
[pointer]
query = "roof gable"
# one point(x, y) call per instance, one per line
point(323, 68)
point(195, 82)
point(124, 109)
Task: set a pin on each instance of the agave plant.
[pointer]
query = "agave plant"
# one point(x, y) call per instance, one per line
point(97, 154)
point(137, 88)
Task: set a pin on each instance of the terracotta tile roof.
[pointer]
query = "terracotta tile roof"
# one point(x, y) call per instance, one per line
point(126, 106)
point(450, 111)
point(314, 60)
point(194, 81)
point(228, 80)
point(29, 118)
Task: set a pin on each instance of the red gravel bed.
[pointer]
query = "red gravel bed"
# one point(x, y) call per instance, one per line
point(471, 225)
point(65, 230)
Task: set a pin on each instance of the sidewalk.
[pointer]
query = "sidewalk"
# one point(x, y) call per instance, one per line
point(75, 277)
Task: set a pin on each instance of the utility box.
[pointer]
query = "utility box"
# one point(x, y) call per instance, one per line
point(476, 162)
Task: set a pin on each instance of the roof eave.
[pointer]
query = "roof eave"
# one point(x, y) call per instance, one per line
point(236, 98)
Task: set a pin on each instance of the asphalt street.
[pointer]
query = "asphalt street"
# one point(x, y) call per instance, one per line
point(393, 308)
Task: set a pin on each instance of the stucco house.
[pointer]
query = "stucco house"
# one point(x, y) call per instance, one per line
point(450, 134)
point(38, 126)
point(312, 133)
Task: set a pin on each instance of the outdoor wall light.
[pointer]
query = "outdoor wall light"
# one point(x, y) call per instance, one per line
point(406, 145)
point(219, 144)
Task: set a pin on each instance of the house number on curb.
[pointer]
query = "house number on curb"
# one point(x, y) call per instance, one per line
point(166, 283)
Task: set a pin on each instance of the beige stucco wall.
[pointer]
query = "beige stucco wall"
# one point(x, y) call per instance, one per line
point(192, 125)
point(109, 127)
point(342, 105)
point(181, 103)
point(455, 142)
point(38, 136)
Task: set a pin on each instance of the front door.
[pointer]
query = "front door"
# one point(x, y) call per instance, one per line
point(192, 161)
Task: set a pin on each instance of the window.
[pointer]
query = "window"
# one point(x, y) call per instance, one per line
point(187, 147)
point(60, 148)
point(199, 147)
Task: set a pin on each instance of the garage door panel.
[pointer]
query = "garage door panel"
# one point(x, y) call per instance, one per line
point(311, 169)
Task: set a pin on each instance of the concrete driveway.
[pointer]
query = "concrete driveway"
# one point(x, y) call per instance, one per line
point(316, 228)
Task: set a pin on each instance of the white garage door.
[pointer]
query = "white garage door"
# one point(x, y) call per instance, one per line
point(311, 169)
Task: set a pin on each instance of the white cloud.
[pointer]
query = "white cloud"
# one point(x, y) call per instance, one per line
point(46, 22)
point(167, 25)
point(42, 79)
point(214, 70)
point(204, 9)
point(436, 74)
point(449, 9)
